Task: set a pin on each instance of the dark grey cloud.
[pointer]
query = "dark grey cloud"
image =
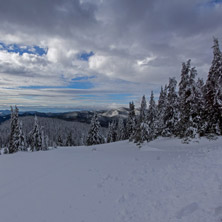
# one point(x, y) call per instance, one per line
point(143, 42)
point(48, 16)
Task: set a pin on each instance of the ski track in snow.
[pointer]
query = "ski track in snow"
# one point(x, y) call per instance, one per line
point(162, 181)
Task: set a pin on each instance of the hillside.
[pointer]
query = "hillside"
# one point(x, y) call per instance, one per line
point(83, 116)
point(163, 181)
point(52, 127)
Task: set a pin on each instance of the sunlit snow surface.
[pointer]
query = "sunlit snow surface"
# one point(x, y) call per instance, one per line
point(162, 181)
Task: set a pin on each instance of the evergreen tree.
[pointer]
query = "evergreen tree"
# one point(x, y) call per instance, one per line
point(213, 93)
point(22, 138)
point(69, 140)
point(59, 141)
point(44, 144)
point(112, 135)
point(192, 111)
point(14, 134)
point(145, 133)
point(141, 128)
point(172, 114)
point(184, 93)
point(187, 126)
point(199, 107)
point(130, 123)
point(35, 137)
point(161, 110)
point(143, 109)
point(120, 130)
point(109, 135)
point(94, 136)
point(151, 119)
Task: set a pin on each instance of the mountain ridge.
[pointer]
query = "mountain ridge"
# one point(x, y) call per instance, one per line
point(84, 116)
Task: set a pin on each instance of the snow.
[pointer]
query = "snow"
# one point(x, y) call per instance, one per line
point(164, 180)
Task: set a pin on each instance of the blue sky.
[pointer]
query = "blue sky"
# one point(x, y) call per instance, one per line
point(92, 54)
point(85, 56)
point(21, 49)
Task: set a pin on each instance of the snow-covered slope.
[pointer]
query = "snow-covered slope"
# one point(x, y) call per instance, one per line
point(163, 181)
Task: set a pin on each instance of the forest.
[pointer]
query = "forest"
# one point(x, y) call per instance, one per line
point(190, 108)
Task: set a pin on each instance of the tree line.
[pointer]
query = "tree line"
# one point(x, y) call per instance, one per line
point(39, 133)
point(189, 109)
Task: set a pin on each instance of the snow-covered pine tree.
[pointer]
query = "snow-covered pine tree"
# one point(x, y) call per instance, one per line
point(112, 134)
point(141, 127)
point(151, 119)
point(69, 140)
point(22, 138)
point(120, 130)
point(35, 137)
point(172, 114)
point(184, 93)
point(130, 123)
point(199, 107)
point(192, 110)
point(44, 145)
point(59, 140)
point(213, 93)
point(161, 109)
point(14, 134)
point(11, 147)
point(187, 127)
point(94, 136)
point(109, 134)
point(143, 110)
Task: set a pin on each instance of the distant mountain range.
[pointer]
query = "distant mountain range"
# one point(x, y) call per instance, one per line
point(105, 116)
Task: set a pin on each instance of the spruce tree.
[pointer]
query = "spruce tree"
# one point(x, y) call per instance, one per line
point(69, 140)
point(112, 133)
point(189, 115)
point(44, 143)
point(14, 134)
point(184, 93)
point(161, 110)
point(35, 137)
point(130, 123)
point(141, 127)
point(199, 107)
point(151, 119)
point(172, 113)
point(143, 109)
point(213, 93)
point(109, 135)
point(120, 130)
point(22, 138)
point(192, 111)
point(94, 136)
point(59, 140)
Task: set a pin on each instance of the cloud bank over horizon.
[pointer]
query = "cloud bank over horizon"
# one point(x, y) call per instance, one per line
point(83, 54)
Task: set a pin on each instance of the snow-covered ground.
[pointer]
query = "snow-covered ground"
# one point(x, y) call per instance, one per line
point(163, 181)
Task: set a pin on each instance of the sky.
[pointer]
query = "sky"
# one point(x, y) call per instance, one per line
point(63, 55)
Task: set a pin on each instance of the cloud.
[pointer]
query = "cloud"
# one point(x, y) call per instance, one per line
point(130, 47)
